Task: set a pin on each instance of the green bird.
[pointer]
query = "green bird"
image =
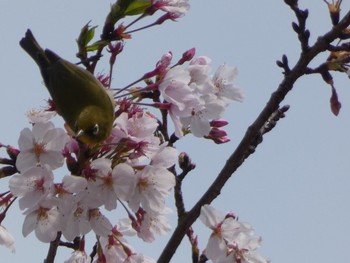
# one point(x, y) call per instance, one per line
point(79, 97)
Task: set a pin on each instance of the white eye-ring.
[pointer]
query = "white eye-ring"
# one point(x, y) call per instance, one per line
point(96, 129)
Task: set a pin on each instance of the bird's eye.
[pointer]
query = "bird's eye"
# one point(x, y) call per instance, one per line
point(96, 129)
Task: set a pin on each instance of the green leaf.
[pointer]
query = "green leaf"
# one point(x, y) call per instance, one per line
point(137, 7)
point(97, 45)
point(86, 35)
point(123, 8)
point(116, 13)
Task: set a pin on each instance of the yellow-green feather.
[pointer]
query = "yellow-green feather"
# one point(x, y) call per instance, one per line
point(79, 97)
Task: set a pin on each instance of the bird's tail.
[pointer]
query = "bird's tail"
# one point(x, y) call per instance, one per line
point(32, 47)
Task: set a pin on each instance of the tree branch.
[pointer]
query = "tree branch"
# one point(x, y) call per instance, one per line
point(239, 155)
point(51, 254)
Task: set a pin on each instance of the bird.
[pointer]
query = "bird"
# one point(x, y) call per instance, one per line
point(79, 97)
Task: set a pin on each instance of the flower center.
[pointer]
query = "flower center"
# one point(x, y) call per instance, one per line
point(42, 213)
point(143, 184)
point(39, 148)
point(108, 181)
point(39, 185)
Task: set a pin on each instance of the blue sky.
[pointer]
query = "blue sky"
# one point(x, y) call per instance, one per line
point(294, 190)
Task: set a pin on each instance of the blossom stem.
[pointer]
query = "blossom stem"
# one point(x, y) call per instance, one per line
point(128, 86)
point(130, 93)
point(136, 20)
point(142, 28)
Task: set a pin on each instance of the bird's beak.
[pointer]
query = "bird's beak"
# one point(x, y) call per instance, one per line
point(80, 133)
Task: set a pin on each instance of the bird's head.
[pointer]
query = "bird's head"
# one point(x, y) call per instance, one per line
point(93, 125)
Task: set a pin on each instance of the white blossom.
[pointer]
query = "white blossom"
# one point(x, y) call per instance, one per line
point(175, 89)
point(78, 256)
point(230, 241)
point(99, 223)
point(44, 220)
point(6, 239)
point(177, 7)
point(153, 185)
point(33, 186)
point(77, 221)
point(42, 145)
point(36, 115)
point(223, 85)
point(153, 224)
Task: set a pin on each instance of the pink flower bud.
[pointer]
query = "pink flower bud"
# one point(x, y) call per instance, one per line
point(231, 214)
point(12, 152)
point(218, 123)
point(187, 56)
point(218, 136)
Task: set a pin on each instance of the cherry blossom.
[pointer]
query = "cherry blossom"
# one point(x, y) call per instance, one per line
point(243, 250)
point(137, 133)
point(78, 256)
point(201, 115)
point(200, 70)
point(73, 184)
point(154, 182)
point(113, 249)
point(223, 84)
point(6, 239)
point(139, 258)
point(76, 222)
point(175, 89)
point(152, 224)
point(116, 249)
point(42, 145)
point(165, 156)
point(99, 223)
point(139, 126)
point(214, 219)
point(163, 64)
point(125, 228)
point(230, 241)
point(36, 115)
point(45, 220)
point(33, 186)
point(152, 186)
point(108, 185)
point(196, 98)
point(100, 184)
point(124, 181)
point(176, 7)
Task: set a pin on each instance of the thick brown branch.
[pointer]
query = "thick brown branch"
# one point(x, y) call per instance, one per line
point(238, 156)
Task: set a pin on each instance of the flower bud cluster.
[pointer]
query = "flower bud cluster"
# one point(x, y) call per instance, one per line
point(194, 98)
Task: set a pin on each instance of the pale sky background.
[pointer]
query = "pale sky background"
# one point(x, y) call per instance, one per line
point(294, 190)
